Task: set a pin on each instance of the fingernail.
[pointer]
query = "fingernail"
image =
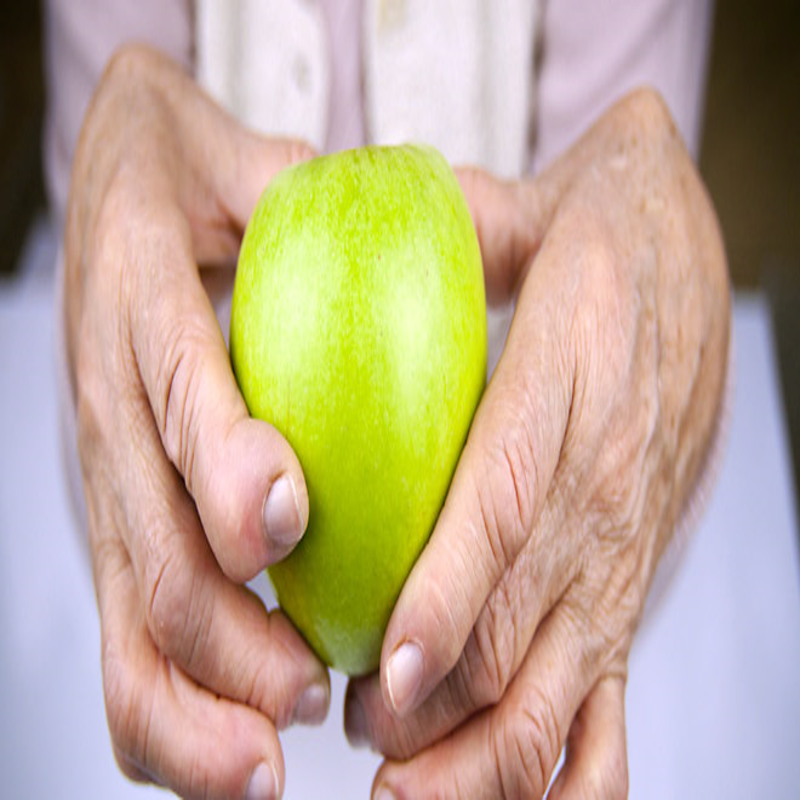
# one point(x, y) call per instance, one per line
point(404, 676)
point(355, 723)
point(312, 707)
point(263, 784)
point(383, 792)
point(283, 522)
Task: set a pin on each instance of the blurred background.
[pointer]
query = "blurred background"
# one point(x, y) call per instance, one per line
point(22, 102)
point(749, 159)
point(732, 682)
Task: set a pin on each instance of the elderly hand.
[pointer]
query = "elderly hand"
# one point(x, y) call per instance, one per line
point(187, 497)
point(511, 637)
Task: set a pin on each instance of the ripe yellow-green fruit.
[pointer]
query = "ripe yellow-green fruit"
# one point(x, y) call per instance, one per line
point(358, 329)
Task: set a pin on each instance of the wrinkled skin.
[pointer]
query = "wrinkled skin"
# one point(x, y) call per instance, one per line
point(584, 449)
point(197, 676)
point(580, 459)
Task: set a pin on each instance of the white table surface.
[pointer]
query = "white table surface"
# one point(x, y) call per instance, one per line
point(713, 701)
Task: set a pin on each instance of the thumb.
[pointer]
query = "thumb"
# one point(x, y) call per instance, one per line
point(245, 479)
point(496, 496)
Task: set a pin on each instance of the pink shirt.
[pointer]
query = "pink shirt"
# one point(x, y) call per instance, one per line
point(590, 53)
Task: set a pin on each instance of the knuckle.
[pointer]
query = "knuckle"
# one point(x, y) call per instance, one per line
point(168, 592)
point(179, 614)
point(617, 504)
point(92, 403)
point(606, 336)
point(610, 488)
point(649, 111)
point(491, 652)
point(519, 463)
point(506, 497)
point(491, 509)
point(440, 608)
point(130, 61)
point(529, 744)
point(622, 473)
point(179, 390)
point(98, 365)
point(399, 741)
point(104, 393)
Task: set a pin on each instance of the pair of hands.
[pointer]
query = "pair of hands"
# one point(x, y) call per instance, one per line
point(511, 636)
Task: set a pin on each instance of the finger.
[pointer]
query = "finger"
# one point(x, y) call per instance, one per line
point(510, 219)
point(511, 749)
point(164, 727)
point(244, 477)
point(596, 763)
point(256, 160)
point(219, 204)
point(491, 657)
point(498, 491)
point(244, 163)
point(215, 630)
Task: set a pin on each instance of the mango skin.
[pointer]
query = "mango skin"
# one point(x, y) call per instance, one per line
point(358, 329)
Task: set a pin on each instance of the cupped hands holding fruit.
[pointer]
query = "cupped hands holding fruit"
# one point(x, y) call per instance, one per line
point(358, 329)
point(510, 637)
